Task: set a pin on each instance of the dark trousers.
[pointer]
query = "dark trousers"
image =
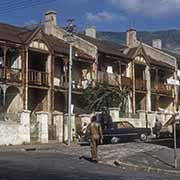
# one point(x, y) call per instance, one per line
point(94, 147)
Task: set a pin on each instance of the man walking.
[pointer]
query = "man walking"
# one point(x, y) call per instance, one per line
point(157, 128)
point(95, 131)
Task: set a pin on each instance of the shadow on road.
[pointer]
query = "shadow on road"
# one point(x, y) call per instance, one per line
point(168, 142)
point(157, 158)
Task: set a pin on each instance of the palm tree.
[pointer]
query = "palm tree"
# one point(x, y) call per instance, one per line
point(103, 95)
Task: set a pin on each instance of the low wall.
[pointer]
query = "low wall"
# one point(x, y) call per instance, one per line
point(135, 122)
point(73, 127)
point(15, 133)
point(144, 118)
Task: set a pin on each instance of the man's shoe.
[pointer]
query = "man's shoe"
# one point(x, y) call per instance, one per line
point(94, 161)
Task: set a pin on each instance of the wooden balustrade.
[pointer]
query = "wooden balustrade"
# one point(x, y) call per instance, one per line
point(140, 85)
point(108, 78)
point(37, 78)
point(126, 82)
point(10, 74)
point(161, 88)
point(113, 79)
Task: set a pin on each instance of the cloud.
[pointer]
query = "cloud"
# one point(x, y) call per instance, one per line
point(148, 7)
point(100, 16)
point(31, 22)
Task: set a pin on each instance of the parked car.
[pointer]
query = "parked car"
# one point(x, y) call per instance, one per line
point(120, 132)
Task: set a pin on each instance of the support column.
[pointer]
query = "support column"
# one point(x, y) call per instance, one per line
point(42, 118)
point(58, 121)
point(95, 71)
point(4, 88)
point(176, 94)
point(119, 78)
point(24, 59)
point(129, 73)
point(25, 126)
point(66, 83)
point(148, 86)
point(50, 82)
point(157, 102)
point(5, 49)
point(134, 87)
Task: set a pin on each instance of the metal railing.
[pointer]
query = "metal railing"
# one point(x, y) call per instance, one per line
point(38, 78)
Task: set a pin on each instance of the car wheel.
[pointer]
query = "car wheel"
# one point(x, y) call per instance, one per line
point(114, 140)
point(143, 137)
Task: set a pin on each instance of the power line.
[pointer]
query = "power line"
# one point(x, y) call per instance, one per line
point(25, 6)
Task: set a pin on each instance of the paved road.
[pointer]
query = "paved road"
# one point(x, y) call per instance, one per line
point(52, 166)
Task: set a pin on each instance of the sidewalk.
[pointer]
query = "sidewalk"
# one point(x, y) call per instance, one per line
point(127, 155)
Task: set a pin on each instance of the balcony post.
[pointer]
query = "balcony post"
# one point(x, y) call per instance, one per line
point(66, 82)
point(148, 86)
point(52, 83)
point(24, 59)
point(49, 81)
point(119, 77)
point(5, 49)
point(134, 86)
point(176, 94)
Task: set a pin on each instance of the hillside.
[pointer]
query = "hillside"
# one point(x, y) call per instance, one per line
point(170, 38)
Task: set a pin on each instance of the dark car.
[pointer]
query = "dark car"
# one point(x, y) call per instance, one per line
point(121, 132)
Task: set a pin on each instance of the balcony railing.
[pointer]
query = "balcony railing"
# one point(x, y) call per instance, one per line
point(108, 78)
point(140, 85)
point(126, 82)
point(10, 74)
point(113, 79)
point(37, 78)
point(161, 88)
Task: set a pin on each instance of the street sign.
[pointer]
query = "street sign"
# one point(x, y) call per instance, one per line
point(173, 82)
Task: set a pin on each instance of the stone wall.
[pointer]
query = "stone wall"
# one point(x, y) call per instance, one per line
point(15, 133)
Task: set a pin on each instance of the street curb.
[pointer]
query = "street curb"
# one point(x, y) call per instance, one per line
point(145, 168)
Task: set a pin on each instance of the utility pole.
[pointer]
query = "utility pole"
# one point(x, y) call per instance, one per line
point(70, 39)
point(174, 83)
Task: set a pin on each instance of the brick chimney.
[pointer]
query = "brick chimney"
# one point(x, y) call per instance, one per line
point(157, 43)
point(50, 22)
point(91, 32)
point(131, 38)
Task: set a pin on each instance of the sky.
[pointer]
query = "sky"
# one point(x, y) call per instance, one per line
point(105, 15)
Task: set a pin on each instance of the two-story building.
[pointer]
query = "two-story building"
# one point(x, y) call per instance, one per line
point(34, 69)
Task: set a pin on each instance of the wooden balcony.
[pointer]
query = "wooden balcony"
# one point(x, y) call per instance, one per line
point(108, 78)
point(39, 78)
point(126, 82)
point(10, 74)
point(161, 88)
point(140, 85)
point(114, 79)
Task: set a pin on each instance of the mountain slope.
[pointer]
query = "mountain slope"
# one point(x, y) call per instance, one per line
point(170, 38)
